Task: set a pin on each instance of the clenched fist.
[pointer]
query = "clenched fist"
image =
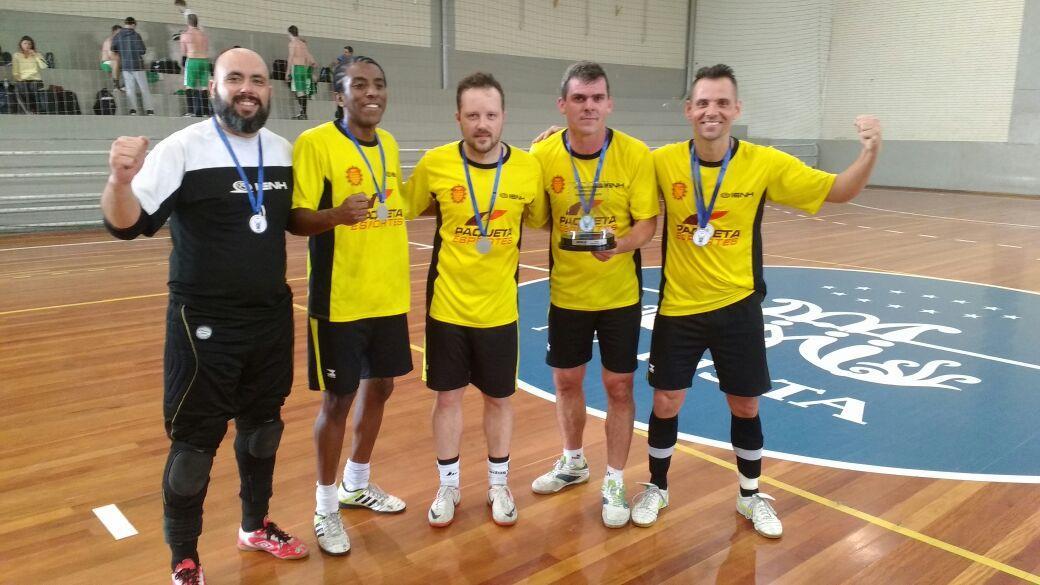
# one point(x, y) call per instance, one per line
point(354, 209)
point(869, 130)
point(126, 158)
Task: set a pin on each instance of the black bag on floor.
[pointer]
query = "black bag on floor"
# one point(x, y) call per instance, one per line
point(165, 66)
point(104, 103)
point(8, 99)
point(67, 103)
point(278, 69)
point(325, 75)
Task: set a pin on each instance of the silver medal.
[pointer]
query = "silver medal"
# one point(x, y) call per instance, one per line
point(483, 244)
point(587, 224)
point(702, 236)
point(258, 223)
point(382, 213)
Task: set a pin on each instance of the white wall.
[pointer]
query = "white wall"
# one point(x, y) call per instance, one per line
point(649, 33)
point(402, 22)
point(942, 71)
point(930, 70)
point(778, 49)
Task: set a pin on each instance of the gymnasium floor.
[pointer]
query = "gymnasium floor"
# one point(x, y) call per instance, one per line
point(934, 490)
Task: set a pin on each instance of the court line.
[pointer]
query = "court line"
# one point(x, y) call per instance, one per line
point(110, 241)
point(944, 217)
point(876, 521)
point(879, 522)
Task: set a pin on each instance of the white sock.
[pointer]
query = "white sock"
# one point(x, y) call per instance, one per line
point(355, 475)
point(618, 475)
point(498, 473)
point(574, 456)
point(327, 500)
point(449, 474)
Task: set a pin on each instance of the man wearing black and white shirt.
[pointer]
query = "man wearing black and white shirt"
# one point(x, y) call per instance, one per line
point(225, 184)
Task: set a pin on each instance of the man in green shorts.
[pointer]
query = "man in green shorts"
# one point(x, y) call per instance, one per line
point(195, 48)
point(301, 65)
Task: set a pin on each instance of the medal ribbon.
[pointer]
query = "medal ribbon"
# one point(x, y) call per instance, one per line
point(704, 213)
point(586, 206)
point(380, 190)
point(256, 196)
point(494, 191)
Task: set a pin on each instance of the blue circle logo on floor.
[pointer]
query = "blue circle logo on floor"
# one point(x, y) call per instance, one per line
point(871, 371)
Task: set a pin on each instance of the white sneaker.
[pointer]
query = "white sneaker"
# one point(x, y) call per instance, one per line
point(757, 509)
point(332, 538)
point(442, 510)
point(503, 508)
point(371, 497)
point(647, 505)
point(615, 505)
point(562, 475)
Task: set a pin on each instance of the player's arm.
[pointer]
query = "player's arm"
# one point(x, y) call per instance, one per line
point(305, 219)
point(120, 207)
point(641, 232)
point(850, 182)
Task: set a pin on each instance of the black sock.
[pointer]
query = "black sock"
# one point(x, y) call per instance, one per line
point(746, 436)
point(663, 433)
point(184, 550)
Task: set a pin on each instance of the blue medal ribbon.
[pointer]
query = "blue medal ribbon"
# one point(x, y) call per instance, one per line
point(494, 190)
point(380, 189)
point(586, 204)
point(256, 196)
point(704, 213)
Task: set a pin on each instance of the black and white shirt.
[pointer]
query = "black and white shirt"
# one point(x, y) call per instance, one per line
point(218, 264)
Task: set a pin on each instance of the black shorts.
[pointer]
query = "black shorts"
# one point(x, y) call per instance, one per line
point(341, 354)
point(734, 335)
point(219, 368)
point(484, 357)
point(571, 334)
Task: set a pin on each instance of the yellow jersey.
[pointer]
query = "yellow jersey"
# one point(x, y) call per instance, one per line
point(466, 287)
point(354, 271)
point(698, 279)
point(626, 193)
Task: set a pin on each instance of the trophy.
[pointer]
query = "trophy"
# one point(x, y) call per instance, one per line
point(587, 238)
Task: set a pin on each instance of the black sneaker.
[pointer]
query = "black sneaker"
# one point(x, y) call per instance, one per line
point(149, 113)
point(133, 112)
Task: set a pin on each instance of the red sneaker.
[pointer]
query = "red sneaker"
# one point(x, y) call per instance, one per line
point(274, 540)
point(188, 573)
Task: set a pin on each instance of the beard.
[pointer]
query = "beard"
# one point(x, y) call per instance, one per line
point(226, 112)
point(473, 144)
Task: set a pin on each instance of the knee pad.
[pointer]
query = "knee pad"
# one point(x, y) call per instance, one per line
point(261, 442)
point(188, 471)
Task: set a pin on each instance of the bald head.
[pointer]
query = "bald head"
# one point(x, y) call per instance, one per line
point(241, 91)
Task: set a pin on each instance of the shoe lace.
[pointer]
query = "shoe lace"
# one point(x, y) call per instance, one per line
point(648, 499)
point(188, 576)
point(443, 495)
point(615, 494)
point(272, 530)
point(762, 511)
point(377, 493)
point(331, 527)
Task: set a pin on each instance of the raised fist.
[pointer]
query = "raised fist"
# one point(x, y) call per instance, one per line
point(126, 157)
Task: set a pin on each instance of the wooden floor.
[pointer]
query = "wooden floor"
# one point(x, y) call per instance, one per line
point(81, 328)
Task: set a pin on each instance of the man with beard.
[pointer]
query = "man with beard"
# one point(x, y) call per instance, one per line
point(227, 183)
point(347, 198)
point(481, 189)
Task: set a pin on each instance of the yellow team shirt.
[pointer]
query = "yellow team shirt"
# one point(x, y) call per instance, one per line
point(626, 193)
point(729, 268)
point(357, 271)
point(466, 287)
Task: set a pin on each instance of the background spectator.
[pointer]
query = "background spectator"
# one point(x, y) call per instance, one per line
point(348, 52)
point(195, 53)
point(130, 47)
point(110, 60)
point(26, 65)
point(301, 65)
